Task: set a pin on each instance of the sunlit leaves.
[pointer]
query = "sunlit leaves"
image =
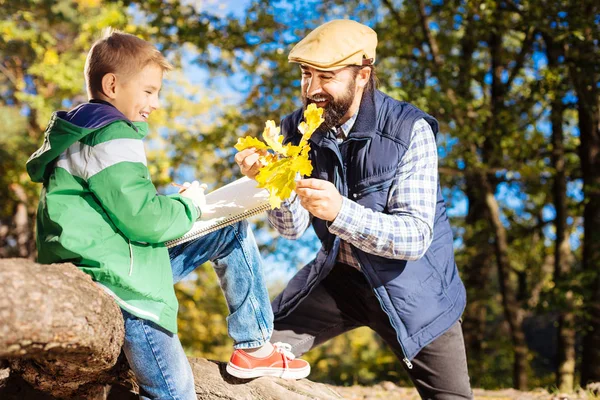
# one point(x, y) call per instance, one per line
point(281, 167)
point(273, 138)
point(248, 142)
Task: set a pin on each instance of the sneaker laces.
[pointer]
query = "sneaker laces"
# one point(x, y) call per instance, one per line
point(286, 350)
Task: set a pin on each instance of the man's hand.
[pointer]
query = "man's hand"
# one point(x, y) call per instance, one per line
point(320, 198)
point(249, 162)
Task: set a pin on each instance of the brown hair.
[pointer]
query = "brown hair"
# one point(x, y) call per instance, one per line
point(119, 53)
point(373, 82)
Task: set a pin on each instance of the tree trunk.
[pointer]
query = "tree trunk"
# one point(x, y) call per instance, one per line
point(590, 150)
point(55, 322)
point(512, 310)
point(22, 224)
point(563, 258)
point(477, 273)
point(61, 337)
point(585, 76)
point(212, 382)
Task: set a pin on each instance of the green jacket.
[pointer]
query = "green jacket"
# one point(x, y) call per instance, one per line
point(100, 211)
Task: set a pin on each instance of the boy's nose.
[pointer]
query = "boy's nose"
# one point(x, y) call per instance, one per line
point(155, 103)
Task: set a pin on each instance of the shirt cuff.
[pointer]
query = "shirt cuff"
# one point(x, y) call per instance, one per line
point(344, 225)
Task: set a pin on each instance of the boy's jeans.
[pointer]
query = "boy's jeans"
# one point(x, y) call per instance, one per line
point(156, 356)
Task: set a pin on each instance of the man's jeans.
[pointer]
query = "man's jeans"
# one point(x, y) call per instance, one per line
point(156, 356)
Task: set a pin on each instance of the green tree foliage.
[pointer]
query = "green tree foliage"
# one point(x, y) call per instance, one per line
point(43, 45)
point(42, 52)
point(479, 67)
point(483, 68)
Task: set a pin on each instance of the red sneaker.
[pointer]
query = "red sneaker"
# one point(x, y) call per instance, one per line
point(280, 363)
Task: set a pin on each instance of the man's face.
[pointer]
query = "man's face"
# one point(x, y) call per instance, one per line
point(334, 91)
point(137, 96)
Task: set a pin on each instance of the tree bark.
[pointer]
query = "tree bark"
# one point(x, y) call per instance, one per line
point(477, 273)
point(588, 107)
point(583, 56)
point(563, 258)
point(22, 224)
point(512, 310)
point(61, 338)
point(55, 322)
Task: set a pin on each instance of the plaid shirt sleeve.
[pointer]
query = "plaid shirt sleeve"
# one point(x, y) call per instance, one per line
point(290, 220)
point(407, 231)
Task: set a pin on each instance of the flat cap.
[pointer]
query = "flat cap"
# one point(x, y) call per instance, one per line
point(336, 44)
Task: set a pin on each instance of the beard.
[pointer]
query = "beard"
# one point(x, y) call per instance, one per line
point(335, 109)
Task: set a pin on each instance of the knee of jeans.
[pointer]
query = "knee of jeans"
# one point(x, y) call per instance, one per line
point(242, 225)
point(187, 382)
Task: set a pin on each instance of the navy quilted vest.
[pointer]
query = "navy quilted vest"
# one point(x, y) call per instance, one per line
point(422, 298)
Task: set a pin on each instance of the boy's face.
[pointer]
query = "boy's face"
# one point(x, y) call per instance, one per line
point(137, 96)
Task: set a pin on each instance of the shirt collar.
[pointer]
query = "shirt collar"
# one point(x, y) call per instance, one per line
point(347, 126)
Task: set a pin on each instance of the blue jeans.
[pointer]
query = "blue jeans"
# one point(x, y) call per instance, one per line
point(156, 356)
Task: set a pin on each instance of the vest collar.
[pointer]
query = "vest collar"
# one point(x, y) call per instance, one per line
point(364, 127)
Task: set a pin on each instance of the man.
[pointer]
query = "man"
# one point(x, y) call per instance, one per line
point(374, 200)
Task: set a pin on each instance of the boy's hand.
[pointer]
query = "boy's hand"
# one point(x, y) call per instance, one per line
point(319, 197)
point(194, 191)
point(249, 161)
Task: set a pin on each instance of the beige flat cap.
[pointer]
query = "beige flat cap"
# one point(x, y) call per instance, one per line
point(336, 44)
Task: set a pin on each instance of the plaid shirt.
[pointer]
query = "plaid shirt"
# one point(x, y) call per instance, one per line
point(405, 232)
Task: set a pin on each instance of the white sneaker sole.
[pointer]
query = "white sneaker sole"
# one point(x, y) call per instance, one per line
point(244, 373)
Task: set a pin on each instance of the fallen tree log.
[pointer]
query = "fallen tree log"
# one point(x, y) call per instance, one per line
point(58, 330)
point(61, 338)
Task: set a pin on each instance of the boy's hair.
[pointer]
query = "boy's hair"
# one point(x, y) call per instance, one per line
point(119, 53)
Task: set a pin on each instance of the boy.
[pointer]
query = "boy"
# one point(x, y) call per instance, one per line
point(100, 211)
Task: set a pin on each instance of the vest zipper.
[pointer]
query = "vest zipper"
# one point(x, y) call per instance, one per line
point(130, 258)
point(372, 189)
point(343, 176)
point(405, 359)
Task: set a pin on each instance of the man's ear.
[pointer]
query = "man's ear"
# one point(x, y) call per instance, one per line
point(109, 85)
point(363, 77)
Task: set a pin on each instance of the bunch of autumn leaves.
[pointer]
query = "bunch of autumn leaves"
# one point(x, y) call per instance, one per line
point(282, 163)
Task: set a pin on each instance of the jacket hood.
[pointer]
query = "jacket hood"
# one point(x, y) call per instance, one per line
point(66, 128)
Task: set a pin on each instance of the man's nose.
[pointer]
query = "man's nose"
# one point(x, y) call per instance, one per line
point(313, 86)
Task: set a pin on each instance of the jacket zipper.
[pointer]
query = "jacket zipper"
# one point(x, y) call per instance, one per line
point(130, 258)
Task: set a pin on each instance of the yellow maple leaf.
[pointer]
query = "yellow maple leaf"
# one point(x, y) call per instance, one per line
point(249, 142)
point(273, 138)
point(293, 151)
point(278, 179)
point(280, 168)
point(302, 164)
point(268, 159)
point(313, 118)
